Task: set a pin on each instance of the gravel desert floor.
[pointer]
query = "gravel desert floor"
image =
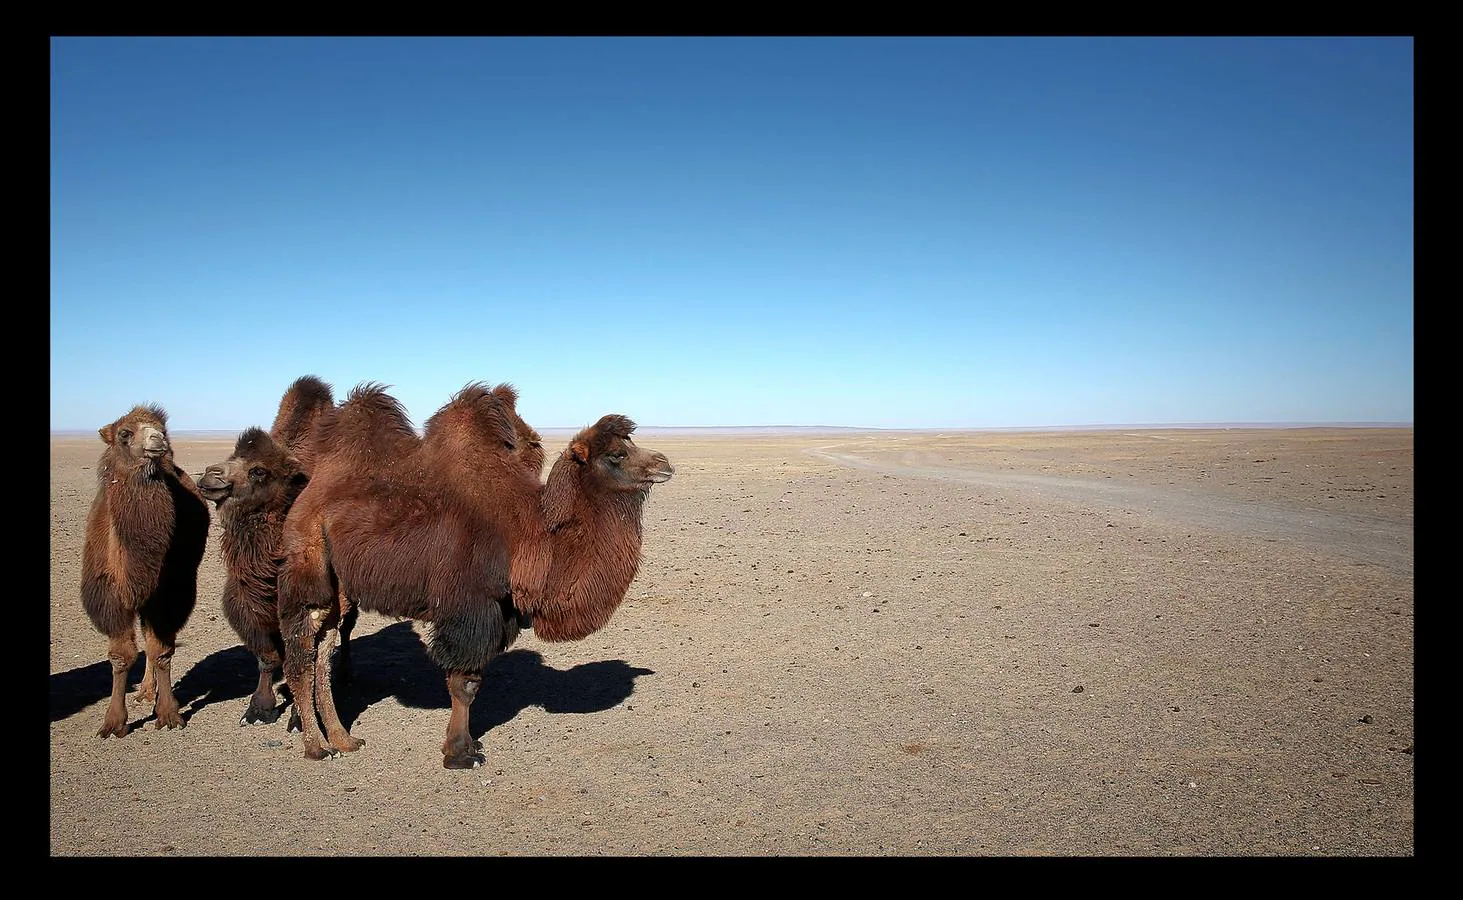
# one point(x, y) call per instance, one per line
point(1177, 643)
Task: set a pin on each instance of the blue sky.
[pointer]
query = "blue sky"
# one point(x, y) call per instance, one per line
point(875, 232)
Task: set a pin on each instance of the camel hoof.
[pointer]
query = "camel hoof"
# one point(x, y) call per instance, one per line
point(463, 761)
point(169, 722)
point(349, 744)
point(253, 716)
point(321, 753)
point(113, 731)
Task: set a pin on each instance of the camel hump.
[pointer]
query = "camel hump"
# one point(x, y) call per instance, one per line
point(307, 392)
point(304, 404)
point(368, 423)
point(480, 413)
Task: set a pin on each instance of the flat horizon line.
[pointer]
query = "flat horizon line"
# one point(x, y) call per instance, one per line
point(783, 429)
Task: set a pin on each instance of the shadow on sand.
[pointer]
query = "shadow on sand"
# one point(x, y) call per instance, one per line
point(223, 676)
point(389, 663)
point(393, 663)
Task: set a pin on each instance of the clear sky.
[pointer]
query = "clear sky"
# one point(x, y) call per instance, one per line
point(873, 232)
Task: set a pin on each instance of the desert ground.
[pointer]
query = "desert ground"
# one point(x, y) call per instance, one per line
point(1175, 643)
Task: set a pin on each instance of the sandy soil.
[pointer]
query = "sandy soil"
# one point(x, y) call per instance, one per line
point(1188, 643)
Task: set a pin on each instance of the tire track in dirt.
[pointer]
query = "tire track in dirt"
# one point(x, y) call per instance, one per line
point(1367, 539)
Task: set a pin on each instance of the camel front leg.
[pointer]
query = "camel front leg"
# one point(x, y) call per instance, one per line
point(122, 653)
point(349, 613)
point(160, 647)
point(459, 750)
point(262, 709)
point(147, 690)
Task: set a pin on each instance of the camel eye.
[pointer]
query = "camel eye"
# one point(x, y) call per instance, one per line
point(616, 458)
point(124, 435)
point(257, 473)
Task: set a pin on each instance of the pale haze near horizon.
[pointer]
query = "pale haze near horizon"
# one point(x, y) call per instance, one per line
point(860, 232)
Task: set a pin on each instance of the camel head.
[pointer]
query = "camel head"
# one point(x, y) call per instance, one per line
point(259, 474)
point(611, 460)
point(139, 438)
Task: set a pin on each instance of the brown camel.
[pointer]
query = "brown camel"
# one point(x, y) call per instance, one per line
point(443, 529)
point(252, 491)
point(145, 536)
point(427, 543)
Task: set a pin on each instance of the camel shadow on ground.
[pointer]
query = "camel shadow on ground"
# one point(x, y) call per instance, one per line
point(223, 676)
point(393, 663)
point(76, 689)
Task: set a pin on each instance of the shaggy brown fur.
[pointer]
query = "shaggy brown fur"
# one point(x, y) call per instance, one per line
point(304, 403)
point(254, 490)
point(145, 536)
point(593, 504)
point(443, 530)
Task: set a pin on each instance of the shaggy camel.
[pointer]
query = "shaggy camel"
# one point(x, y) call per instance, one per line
point(145, 536)
point(252, 491)
point(436, 548)
point(443, 529)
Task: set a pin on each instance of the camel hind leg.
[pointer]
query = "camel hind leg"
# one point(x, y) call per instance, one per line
point(307, 605)
point(122, 653)
point(339, 665)
point(335, 730)
point(302, 636)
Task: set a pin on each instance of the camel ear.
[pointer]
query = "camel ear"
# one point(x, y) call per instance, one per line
point(579, 450)
point(107, 432)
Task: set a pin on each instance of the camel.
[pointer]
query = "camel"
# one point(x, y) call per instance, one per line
point(252, 492)
point(440, 529)
point(456, 534)
point(145, 536)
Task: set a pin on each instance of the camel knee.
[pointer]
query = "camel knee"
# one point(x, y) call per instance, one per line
point(464, 687)
point(122, 652)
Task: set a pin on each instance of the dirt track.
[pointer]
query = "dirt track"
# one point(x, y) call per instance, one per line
point(1183, 643)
